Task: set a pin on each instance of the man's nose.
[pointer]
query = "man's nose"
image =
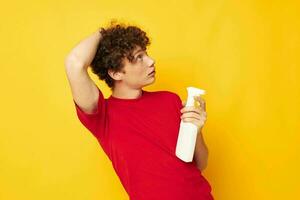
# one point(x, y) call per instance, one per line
point(150, 61)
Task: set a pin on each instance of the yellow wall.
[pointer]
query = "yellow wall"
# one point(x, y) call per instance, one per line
point(245, 54)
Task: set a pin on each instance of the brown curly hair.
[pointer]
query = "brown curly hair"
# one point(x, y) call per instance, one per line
point(118, 41)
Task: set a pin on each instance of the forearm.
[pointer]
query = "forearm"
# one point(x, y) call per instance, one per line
point(201, 152)
point(84, 52)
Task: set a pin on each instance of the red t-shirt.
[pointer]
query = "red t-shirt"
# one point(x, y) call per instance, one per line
point(139, 136)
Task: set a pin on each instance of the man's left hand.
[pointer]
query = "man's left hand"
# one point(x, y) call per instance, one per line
point(196, 115)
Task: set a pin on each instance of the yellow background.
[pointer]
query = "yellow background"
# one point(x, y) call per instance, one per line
point(245, 54)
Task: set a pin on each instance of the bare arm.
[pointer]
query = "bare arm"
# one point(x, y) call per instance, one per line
point(201, 152)
point(84, 51)
point(84, 90)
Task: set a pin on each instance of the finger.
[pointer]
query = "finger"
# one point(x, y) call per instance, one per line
point(194, 115)
point(191, 109)
point(203, 105)
point(198, 123)
point(201, 101)
point(204, 114)
point(190, 119)
point(191, 115)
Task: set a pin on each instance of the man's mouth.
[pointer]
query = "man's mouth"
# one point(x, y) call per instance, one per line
point(153, 72)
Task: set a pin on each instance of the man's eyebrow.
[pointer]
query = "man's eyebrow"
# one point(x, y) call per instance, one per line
point(138, 52)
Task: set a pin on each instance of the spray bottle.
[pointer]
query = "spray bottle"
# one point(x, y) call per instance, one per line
point(187, 136)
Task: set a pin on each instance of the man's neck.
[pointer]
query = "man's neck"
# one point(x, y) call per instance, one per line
point(126, 93)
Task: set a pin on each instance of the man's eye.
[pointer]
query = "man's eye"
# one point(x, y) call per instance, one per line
point(140, 56)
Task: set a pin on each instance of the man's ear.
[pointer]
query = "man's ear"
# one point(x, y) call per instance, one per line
point(115, 75)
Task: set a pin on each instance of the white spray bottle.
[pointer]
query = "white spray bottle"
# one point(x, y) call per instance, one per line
point(187, 136)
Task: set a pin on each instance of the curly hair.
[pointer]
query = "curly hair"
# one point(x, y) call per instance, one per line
point(118, 41)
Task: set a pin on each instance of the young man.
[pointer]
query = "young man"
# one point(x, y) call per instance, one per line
point(137, 129)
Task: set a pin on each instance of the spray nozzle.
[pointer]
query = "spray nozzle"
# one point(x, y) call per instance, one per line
point(192, 92)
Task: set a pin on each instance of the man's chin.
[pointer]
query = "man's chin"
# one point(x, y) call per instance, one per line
point(150, 82)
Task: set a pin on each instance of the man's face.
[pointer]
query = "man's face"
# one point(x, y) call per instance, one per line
point(136, 74)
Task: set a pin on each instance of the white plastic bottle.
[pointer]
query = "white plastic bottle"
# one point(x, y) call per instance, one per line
point(187, 136)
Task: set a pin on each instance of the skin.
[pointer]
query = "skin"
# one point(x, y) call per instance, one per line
point(197, 115)
point(134, 76)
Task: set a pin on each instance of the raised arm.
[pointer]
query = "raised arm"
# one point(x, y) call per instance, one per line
point(84, 90)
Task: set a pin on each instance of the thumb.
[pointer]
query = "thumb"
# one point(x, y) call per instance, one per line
point(183, 103)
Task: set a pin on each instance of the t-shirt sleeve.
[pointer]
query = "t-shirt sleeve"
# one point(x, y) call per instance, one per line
point(93, 121)
point(178, 101)
point(175, 103)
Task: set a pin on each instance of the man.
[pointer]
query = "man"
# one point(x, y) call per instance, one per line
point(137, 129)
